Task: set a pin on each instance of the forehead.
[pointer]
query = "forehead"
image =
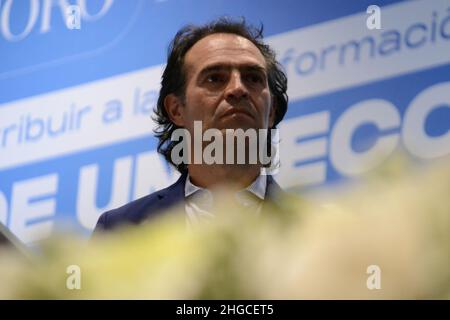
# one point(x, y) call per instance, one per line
point(223, 48)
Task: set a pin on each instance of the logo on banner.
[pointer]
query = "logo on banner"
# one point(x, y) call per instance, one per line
point(41, 24)
point(42, 13)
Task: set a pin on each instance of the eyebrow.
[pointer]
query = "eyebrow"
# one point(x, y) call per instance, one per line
point(222, 67)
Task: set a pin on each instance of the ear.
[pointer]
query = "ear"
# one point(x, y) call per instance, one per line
point(173, 106)
point(272, 114)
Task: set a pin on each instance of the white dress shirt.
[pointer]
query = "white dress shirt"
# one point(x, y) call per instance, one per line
point(199, 203)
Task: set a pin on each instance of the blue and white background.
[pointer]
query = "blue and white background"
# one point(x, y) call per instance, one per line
point(75, 104)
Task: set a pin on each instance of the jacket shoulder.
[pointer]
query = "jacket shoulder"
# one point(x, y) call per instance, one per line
point(136, 211)
point(131, 212)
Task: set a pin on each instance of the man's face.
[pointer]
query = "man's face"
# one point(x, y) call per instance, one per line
point(226, 86)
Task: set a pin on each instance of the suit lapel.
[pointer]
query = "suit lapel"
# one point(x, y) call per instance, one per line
point(273, 190)
point(277, 200)
point(174, 194)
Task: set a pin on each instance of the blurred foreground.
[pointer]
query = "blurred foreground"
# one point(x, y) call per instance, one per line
point(397, 221)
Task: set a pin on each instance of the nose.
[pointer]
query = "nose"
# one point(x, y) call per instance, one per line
point(236, 90)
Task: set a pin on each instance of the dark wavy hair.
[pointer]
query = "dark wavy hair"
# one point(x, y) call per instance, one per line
point(174, 77)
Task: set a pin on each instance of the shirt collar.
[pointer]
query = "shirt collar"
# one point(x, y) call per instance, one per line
point(258, 187)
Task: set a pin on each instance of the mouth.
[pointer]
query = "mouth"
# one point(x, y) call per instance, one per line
point(237, 112)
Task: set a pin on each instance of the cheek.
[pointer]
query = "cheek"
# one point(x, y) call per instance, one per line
point(201, 107)
point(265, 105)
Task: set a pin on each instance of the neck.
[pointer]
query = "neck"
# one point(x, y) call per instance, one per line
point(233, 177)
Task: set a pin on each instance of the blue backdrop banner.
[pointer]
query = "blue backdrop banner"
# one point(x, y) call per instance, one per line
point(79, 81)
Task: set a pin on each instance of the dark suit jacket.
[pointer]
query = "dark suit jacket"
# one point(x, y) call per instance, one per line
point(156, 203)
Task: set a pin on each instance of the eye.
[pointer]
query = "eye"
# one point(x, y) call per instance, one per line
point(215, 78)
point(254, 78)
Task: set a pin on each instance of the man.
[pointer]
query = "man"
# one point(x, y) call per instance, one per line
point(224, 77)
